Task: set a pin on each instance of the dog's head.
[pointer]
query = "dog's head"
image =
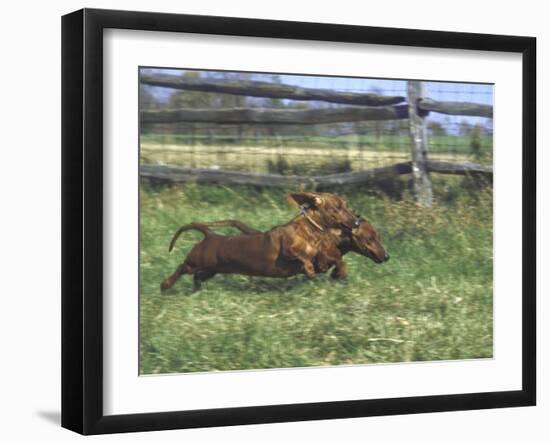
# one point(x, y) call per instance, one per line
point(329, 210)
point(366, 241)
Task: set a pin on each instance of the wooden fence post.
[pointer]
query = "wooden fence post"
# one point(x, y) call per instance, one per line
point(419, 145)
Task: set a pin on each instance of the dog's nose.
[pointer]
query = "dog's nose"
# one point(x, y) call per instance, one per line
point(386, 257)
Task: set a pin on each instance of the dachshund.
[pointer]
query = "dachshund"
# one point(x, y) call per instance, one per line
point(283, 251)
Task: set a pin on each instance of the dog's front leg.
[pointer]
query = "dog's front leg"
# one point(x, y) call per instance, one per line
point(328, 257)
point(309, 269)
point(340, 269)
point(296, 253)
point(293, 248)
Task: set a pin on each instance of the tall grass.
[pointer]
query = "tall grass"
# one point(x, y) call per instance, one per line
point(431, 301)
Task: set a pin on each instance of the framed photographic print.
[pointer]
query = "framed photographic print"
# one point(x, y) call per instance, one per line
point(269, 221)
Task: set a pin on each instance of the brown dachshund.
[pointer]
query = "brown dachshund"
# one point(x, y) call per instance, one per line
point(362, 240)
point(280, 252)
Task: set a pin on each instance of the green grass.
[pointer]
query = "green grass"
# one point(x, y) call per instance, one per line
point(456, 144)
point(431, 301)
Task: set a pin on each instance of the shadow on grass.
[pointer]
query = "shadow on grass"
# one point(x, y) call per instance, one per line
point(252, 285)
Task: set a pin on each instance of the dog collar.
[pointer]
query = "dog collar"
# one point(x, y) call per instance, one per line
point(303, 211)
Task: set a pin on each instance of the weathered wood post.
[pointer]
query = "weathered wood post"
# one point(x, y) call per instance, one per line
point(419, 145)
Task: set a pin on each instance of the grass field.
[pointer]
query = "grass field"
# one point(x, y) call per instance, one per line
point(460, 144)
point(431, 301)
point(257, 159)
point(306, 155)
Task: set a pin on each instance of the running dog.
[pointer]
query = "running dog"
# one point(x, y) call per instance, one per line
point(282, 251)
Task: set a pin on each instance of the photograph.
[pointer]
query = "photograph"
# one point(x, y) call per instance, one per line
point(294, 221)
point(273, 221)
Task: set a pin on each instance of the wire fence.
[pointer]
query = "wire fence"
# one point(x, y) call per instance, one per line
point(230, 121)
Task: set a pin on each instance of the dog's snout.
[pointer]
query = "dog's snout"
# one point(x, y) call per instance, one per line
point(386, 257)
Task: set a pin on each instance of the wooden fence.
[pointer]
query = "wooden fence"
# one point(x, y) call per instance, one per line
point(362, 106)
point(175, 174)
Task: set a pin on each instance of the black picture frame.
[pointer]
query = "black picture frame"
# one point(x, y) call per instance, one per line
point(82, 218)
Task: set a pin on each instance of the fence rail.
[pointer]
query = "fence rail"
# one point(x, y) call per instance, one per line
point(455, 108)
point(173, 174)
point(269, 90)
point(276, 116)
point(312, 116)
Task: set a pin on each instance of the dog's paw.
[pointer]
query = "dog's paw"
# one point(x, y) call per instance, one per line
point(338, 276)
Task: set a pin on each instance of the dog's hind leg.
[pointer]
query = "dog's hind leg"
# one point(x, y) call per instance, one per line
point(201, 276)
point(169, 281)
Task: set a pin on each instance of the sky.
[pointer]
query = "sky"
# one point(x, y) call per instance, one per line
point(444, 91)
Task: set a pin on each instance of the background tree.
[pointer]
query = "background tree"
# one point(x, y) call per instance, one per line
point(436, 128)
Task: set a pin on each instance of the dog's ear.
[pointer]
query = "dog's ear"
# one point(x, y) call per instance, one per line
point(307, 198)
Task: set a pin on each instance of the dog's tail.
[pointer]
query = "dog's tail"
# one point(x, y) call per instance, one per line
point(245, 229)
point(202, 228)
